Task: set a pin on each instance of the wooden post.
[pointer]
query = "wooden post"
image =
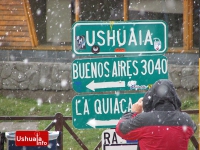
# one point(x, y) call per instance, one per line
point(77, 10)
point(190, 24)
point(125, 4)
point(187, 24)
point(59, 127)
point(31, 26)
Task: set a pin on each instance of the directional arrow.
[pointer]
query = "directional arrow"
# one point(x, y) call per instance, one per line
point(113, 78)
point(97, 123)
point(92, 85)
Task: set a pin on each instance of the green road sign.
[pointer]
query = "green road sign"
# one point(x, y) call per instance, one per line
point(118, 37)
point(101, 111)
point(119, 73)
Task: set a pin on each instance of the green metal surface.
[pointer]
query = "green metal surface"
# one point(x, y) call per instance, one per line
point(119, 37)
point(117, 73)
point(101, 111)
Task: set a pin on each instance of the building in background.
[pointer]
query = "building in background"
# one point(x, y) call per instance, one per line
point(40, 30)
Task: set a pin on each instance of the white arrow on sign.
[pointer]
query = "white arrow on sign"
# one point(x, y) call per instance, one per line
point(94, 123)
point(92, 85)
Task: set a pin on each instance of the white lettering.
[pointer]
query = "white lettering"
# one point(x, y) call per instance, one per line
point(144, 67)
point(116, 106)
point(112, 106)
point(148, 38)
point(122, 70)
point(106, 64)
point(121, 106)
point(140, 37)
point(132, 37)
point(77, 102)
point(105, 105)
point(130, 105)
point(128, 67)
point(87, 70)
point(114, 70)
point(109, 37)
point(134, 66)
point(93, 70)
point(75, 71)
point(97, 107)
point(118, 37)
point(86, 108)
point(99, 36)
point(87, 38)
point(90, 70)
point(123, 37)
point(100, 70)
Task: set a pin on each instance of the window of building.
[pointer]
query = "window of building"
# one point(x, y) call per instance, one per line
point(169, 11)
point(52, 19)
point(183, 25)
point(98, 10)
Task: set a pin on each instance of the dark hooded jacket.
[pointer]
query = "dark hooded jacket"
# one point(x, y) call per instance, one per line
point(162, 126)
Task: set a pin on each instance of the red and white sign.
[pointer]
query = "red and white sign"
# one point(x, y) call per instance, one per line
point(31, 138)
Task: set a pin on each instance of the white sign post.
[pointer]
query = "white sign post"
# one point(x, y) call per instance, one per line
point(110, 141)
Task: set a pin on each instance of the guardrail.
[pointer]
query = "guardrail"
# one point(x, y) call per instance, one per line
point(59, 121)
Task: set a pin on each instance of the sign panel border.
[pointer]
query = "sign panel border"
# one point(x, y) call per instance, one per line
point(140, 72)
point(101, 110)
point(95, 23)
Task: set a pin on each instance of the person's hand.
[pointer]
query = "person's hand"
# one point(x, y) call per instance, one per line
point(138, 106)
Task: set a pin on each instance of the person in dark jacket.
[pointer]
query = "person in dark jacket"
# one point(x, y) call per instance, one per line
point(156, 120)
